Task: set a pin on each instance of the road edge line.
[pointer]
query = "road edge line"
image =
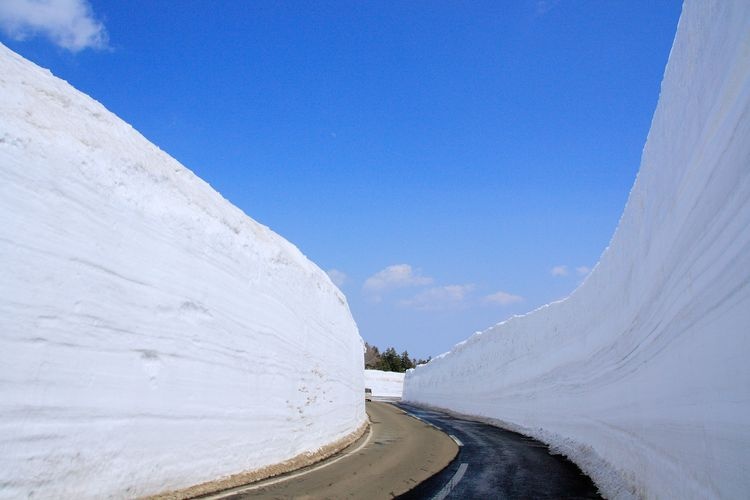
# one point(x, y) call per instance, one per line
point(279, 479)
point(450, 485)
point(423, 421)
point(458, 441)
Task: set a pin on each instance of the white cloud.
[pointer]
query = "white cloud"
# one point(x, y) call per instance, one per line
point(67, 23)
point(559, 271)
point(338, 277)
point(442, 297)
point(396, 276)
point(502, 298)
point(583, 270)
point(544, 6)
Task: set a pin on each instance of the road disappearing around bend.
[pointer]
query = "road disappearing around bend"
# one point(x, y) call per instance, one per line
point(414, 453)
point(395, 455)
point(499, 464)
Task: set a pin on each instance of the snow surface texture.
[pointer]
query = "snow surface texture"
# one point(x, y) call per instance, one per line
point(642, 376)
point(152, 335)
point(384, 384)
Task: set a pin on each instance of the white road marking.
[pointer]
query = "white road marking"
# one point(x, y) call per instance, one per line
point(450, 485)
point(422, 420)
point(458, 441)
point(269, 482)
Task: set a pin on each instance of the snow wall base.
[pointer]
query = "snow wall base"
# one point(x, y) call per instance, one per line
point(244, 478)
point(641, 376)
point(154, 337)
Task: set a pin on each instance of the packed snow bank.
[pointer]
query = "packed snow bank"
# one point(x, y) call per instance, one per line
point(641, 376)
point(152, 335)
point(384, 384)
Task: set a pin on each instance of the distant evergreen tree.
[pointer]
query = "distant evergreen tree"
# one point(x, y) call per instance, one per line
point(389, 360)
point(406, 362)
point(372, 357)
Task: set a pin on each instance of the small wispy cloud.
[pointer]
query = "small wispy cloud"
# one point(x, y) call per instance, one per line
point(395, 276)
point(583, 270)
point(69, 24)
point(441, 297)
point(544, 6)
point(559, 271)
point(338, 277)
point(502, 298)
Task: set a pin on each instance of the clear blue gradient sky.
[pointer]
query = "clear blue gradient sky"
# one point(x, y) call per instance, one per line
point(478, 147)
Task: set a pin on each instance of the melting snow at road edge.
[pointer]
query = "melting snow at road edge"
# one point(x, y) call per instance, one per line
point(153, 335)
point(641, 375)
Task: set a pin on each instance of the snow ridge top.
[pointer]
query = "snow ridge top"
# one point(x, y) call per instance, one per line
point(637, 376)
point(155, 336)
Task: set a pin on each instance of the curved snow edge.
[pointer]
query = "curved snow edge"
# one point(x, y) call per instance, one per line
point(245, 478)
point(155, 336)
point(640, 376)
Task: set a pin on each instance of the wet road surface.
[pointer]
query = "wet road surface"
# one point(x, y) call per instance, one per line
point(498, 464)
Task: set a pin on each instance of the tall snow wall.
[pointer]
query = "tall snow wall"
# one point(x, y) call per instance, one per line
point(384, 384)
point(152, 335)
point(642, 376)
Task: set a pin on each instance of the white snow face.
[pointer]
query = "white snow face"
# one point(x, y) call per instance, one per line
point(152, 335)
point(642, 375)
point(384, 384)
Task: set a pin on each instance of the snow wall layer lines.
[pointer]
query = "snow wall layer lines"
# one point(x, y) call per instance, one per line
point(152, 335)
point(641, 376)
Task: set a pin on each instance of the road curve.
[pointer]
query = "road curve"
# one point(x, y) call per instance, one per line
point(498, 464)
point(398, 453)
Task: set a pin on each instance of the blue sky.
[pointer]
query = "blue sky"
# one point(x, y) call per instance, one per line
point(454, 163)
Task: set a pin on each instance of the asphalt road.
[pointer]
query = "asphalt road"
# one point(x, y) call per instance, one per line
point(398, 453)
point(498, 464)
